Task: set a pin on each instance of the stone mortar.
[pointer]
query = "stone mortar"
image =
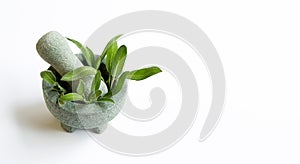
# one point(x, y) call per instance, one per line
point(83, 116)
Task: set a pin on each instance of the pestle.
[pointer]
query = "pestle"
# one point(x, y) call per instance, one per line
point(54, 49)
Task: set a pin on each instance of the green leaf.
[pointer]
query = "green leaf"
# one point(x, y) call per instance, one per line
point(95, 95)
point(92, 56)
point(143, 73)
point(87, 53)
point(96, 81)
point(61, 102)
point(118, 62)
point(99, 60)
point(103, 99)
point(111, 52)
point(108, 94)
point(48, 76)
point(120, 83)
point(98, 93)
point(80, 88)
point(72, 97)
point(79, 73)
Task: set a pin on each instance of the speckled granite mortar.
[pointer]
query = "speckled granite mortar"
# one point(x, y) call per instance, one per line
point(83, 116)
point(54, 49)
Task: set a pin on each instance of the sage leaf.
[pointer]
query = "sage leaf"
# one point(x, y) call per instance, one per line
point(95, 95)
point(110, 55)
point(92, 56)
point(98, 62)
point(87, 53)
point(80, 88)
point(96, 81)
point(104, 53)
point(48, 76)
point(98, 93)
point(72, 97)
point(108, 94)
point(103, 99)
point(120, 83)
point(118, 62)
point(143, 73)
point(79, 73)
point(61, 102)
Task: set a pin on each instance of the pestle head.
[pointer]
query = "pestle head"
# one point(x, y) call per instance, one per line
point(54, 49)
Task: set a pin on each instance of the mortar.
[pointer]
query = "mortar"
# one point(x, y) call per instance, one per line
point(54, 49)
point(74, 115)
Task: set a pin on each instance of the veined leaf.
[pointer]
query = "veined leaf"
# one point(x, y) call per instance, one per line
point(87, 53)
point(118, 62)
point(80, 88)
point(79, 73)
point(103, 99)
point(72, 97)
point(108, 94)
point(120, 83)
point(99, 60)
point(95, 95)
point(92, 56)
point(96, 82)
point(61, 102)
point(143, 73)
point(111, 52)
point(48, 76)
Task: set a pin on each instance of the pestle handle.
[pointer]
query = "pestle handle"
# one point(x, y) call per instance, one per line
point(54, 49)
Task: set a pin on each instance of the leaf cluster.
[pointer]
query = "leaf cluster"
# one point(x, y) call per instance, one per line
point(108, 67)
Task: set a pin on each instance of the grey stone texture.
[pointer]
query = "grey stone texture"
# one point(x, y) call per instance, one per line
point(75, 115)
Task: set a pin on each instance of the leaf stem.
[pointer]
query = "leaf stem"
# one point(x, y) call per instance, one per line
point(112, 82)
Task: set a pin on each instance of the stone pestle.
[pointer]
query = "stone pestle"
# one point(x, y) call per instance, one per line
point(54, 49)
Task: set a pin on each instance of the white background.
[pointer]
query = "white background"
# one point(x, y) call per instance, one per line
point(258, 42)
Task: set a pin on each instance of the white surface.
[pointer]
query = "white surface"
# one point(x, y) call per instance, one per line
point(258, 42)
